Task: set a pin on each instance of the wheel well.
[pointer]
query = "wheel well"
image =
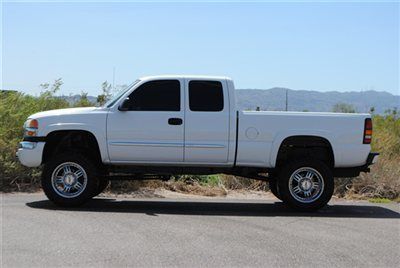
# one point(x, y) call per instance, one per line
point(71, 140)
point(305, 146)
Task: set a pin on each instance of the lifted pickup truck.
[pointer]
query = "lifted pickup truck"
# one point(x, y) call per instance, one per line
point(166, 125)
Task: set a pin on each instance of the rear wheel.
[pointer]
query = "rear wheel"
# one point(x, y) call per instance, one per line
point(306, 185)
point(273, 186)
point(69, 179)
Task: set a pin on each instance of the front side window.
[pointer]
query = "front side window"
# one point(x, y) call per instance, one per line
point(160, 95)
point(206, 96)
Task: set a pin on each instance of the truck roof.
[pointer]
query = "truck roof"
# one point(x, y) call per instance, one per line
point(175, 76)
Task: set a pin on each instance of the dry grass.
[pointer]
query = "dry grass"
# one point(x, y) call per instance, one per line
point(382, 182)
point(195, 188)
point(240, 183)
point(189, 187)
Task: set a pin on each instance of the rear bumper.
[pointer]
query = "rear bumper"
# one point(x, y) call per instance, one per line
point(30, 153)
point(355, 171)
point(372, 159)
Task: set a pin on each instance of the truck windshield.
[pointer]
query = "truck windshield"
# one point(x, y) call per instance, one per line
point(114, 99)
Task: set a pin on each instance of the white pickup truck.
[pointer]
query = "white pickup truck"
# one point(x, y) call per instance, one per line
point(166, 125)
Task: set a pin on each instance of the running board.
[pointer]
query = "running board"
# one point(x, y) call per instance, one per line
point(138, 177)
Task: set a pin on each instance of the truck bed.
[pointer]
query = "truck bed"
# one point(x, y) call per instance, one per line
point(260, 134)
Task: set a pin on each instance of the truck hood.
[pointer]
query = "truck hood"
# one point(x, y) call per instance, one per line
point(68, 111)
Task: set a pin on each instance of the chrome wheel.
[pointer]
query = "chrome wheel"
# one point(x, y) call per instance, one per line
point(69, 180)
point(306, 185)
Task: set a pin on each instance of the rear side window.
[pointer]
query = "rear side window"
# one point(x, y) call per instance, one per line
point(160, 95)
point(206, 96)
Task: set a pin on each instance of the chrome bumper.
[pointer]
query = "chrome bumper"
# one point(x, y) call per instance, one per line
point(30, 153)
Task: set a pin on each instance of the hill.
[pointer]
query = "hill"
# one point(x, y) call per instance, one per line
point(313, 101)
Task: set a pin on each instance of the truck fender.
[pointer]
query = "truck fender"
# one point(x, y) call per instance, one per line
point(96, 131)
point(282, 135)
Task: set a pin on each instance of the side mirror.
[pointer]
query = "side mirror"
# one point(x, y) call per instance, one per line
point(124, 106)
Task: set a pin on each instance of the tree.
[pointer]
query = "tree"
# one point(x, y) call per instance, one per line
point(372, 109)
point(394, 111)
point(53, 89)
point(83, 101)
point(106, 89)
point(343, 108)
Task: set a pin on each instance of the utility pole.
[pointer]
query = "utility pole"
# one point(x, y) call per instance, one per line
point(286, 104)
point(113, 82)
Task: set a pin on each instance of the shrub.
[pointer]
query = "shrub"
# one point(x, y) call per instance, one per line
point(384, 179)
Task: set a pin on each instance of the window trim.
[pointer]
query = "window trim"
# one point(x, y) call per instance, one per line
point(181, 103)
point(206, 80)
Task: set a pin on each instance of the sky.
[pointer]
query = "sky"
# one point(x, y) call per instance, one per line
point(323, 46)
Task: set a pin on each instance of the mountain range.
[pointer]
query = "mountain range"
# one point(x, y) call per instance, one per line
point(314, 101)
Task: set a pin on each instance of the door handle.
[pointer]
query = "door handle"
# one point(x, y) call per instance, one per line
point(175, 121)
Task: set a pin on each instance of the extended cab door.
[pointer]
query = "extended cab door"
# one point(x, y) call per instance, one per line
point(152, 128)
point(206, 121)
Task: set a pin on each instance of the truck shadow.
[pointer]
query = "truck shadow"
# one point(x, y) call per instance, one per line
point(218, 208)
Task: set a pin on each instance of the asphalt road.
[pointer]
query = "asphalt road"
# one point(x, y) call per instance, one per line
point(190, 233)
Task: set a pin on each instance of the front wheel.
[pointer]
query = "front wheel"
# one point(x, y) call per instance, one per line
point(102, 184)
point(69, 179)
point(306, 185)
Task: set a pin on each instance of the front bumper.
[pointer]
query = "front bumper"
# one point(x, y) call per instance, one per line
point(30, 153)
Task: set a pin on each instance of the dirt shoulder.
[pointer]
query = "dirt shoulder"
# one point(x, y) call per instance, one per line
point(166, 193)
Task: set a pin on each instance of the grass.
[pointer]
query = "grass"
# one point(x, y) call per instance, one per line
point(379, 200)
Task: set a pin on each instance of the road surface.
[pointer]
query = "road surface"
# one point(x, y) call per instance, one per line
point(198, 232)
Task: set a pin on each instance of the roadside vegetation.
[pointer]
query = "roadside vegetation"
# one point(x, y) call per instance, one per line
point(384, 179)
point(383, 183)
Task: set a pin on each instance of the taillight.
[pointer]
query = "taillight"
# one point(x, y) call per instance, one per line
point(367, 131)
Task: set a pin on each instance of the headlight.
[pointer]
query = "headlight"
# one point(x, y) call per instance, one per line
point(31, 127)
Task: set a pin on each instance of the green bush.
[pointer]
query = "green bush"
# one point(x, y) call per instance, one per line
point(386, 134)
point(15, 107)
point(205, 180)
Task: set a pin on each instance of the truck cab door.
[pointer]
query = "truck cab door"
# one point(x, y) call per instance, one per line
point(207, 115)
point(151, 127)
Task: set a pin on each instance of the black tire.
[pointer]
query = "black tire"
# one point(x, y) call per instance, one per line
point(101, 186)
point(273, 186)
point(55, 195)
point(319, 196)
